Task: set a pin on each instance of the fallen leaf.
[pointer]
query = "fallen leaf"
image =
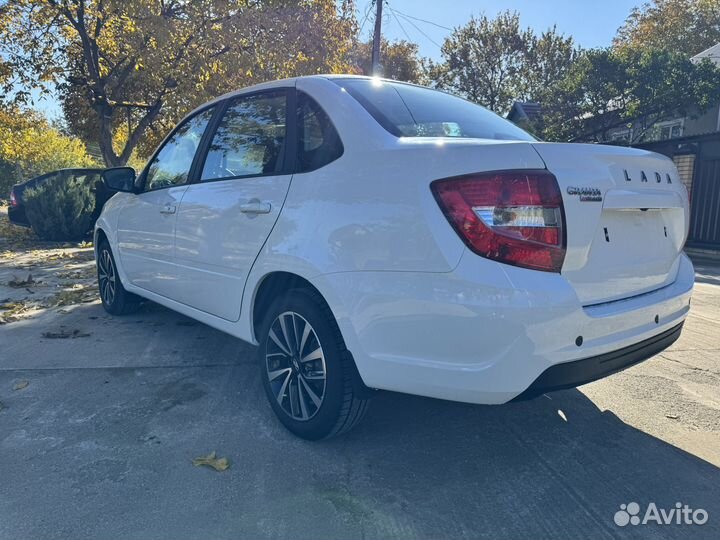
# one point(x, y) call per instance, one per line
point(20, 385)
point(672, 416)
point(219, 464)
point(65, 334)
point(16, 283)
point(11, 311)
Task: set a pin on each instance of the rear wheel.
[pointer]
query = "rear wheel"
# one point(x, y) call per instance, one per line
point(115, 299)
point(308, 375)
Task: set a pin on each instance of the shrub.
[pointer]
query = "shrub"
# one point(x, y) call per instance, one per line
point(61, 208)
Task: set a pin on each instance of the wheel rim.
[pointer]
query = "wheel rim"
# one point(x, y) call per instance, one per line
point(106, 277)
point(295, 366)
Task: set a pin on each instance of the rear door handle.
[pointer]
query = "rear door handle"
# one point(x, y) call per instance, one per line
point(168, 209)
point(256, 207)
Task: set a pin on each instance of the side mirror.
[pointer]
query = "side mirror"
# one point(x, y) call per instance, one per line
point(120, 179)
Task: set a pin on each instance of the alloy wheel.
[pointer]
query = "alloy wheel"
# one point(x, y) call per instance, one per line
point(295, 366)
point(106, 277)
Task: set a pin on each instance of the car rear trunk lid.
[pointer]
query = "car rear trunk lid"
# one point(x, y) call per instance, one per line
point(626, 215)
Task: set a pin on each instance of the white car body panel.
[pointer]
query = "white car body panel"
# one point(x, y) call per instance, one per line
point(216, 242)
point(146, 239)
point(419, 311)
point(634, 260)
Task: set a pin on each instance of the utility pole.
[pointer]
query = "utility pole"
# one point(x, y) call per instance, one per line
point(376, 39)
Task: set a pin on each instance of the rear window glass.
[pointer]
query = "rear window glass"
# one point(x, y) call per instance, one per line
point(406, 110)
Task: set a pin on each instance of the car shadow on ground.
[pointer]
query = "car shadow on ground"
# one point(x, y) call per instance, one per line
point(104, 435)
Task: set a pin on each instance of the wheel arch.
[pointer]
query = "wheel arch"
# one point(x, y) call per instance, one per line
point(99, 236)
point(270, 287)
point(280, 282)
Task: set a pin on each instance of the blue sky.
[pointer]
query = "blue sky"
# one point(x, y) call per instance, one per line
point(591, 23)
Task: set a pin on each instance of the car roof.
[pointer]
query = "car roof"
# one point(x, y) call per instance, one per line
point(280, 83)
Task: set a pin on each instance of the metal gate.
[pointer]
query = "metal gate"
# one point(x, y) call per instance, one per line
point(705, 209)
point(698, 160)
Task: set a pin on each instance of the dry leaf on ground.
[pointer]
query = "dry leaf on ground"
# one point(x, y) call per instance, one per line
point(219, 464)
point(65, 334)
point(20, 385)
point(21, 283)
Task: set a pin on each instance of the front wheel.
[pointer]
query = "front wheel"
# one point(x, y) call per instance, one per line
point(115, 299)
point(308, 375)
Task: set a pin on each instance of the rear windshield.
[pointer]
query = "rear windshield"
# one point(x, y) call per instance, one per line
point(406, 110)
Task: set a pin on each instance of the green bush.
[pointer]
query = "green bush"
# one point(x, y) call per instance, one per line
point(61, 209)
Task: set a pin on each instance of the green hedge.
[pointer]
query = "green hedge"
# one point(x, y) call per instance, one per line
point(61, 209)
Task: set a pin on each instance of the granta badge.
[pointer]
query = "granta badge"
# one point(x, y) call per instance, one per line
point(586, 194)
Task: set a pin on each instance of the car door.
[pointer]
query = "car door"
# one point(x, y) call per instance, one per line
point(146, 224)
point(226, 216)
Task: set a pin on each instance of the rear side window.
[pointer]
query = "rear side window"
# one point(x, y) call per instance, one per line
point(318, 141)
point(406, 110)
point(250, 139)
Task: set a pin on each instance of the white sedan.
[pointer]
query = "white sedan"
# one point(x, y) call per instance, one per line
point(369, 234)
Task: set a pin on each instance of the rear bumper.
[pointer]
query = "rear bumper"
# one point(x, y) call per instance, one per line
point(572, 374)
point(485, 332)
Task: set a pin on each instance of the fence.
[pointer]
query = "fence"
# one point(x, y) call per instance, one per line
point(698, 162)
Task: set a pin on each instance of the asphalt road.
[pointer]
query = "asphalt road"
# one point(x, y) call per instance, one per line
point(99, 444)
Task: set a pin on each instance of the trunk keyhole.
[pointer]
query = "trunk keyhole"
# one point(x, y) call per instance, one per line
point(607, 235)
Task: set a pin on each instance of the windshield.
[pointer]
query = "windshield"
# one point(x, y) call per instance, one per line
point(406, 110)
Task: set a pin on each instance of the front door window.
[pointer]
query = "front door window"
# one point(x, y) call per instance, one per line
point(171, 166)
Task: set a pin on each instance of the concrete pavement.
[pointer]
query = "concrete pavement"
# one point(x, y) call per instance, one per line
point(100, 442)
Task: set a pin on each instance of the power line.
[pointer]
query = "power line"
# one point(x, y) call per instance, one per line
point(367, 16)
point(422, 20)
point(392, 11)
point(431, 40)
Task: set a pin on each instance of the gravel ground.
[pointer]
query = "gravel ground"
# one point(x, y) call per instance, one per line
point(98, 431)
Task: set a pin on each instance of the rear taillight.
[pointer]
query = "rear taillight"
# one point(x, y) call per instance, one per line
point(13, 200)
point(514, 217)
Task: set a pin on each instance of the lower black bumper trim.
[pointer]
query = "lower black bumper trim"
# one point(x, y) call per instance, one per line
point(578, 372)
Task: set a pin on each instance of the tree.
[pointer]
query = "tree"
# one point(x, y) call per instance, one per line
point(495, 62)
point(399, 60)
point(30, 146)
point(549, 59)
point(684, 26)
point(126, 66)
point(610, 88)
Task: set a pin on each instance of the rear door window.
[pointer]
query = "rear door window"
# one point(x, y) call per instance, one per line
point(250, 140)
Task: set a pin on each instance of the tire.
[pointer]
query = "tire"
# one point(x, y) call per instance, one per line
point(115, 299)
point(305, 362)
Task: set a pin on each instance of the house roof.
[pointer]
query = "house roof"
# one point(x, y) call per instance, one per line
point(712, 54)
point(524, 111)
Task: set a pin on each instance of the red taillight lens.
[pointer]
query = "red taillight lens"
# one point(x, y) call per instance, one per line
point(13, 200)
point(514, 217)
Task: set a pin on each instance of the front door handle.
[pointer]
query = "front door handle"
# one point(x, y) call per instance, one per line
point(168, 209)
point(256, 207)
